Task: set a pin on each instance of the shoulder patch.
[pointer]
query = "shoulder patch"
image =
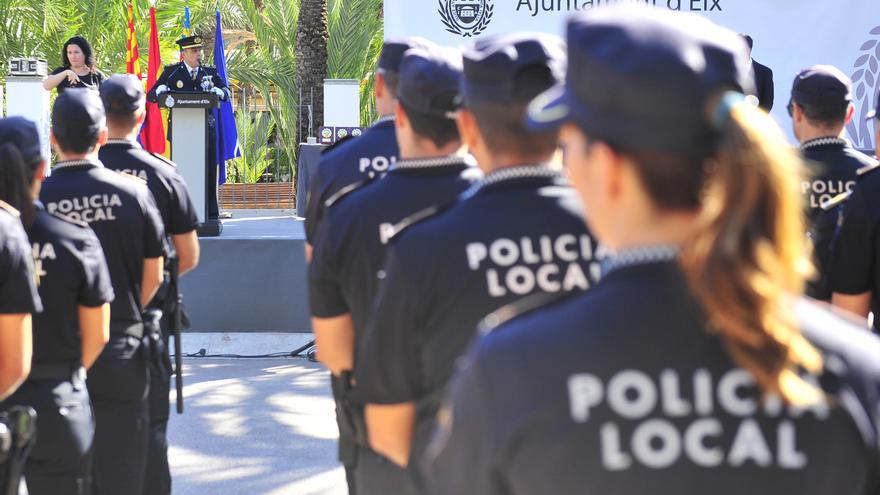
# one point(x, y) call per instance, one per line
point(868, 168)
point(830, 204)
point(520, 308)
point(163, 158)
point(337, 143)
point(8, 207)
point(133, 177)
point(345, 191)
point(416, 218)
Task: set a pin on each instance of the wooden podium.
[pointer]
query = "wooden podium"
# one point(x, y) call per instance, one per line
point(190, 148)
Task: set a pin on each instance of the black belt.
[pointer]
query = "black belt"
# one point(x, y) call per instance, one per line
point(56, 371)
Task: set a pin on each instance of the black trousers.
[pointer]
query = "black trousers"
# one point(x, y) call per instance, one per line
point(60, 462)
point(118, 384)
point(158, 474)
point(376, 475)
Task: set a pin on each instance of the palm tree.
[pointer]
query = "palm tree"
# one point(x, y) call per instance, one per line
point(311, 55)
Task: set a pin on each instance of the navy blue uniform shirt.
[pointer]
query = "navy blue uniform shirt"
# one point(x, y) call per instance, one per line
point(177, 78)
point(121, 211)
point(18, 291)
point(351, 243)
point(622, 390)
point(363, 158)
point(72, 271)
point(169, 190)
point(519, 231)
point(855, 263)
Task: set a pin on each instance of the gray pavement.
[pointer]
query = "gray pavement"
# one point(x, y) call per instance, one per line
point(254, 427)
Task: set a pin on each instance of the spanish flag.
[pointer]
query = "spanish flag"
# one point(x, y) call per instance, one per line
point(153, 131)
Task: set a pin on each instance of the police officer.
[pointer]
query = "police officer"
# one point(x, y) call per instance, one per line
point(350, 246)
point(654, 381)
point(123, 98)
point(821, 107)
point(519, 231)
point(189, 75)
point(18, 292)
point(855, 265)
point(121, 211)
point(368, 156)
point(74, 285)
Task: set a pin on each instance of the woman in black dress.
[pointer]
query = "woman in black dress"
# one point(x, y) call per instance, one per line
point(78, 69)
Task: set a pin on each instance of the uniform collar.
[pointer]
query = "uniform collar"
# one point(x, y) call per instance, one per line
point(188, 68)
point(516, 172)
point(123, 142)
point(384, 120)
point(438, 162)
point(824, 141)
point(69, 164)
point(641, 255)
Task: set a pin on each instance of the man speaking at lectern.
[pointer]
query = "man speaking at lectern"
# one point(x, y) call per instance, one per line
point(188, 75)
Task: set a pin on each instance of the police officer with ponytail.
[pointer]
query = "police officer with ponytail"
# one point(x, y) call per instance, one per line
point(122, 213)
point(694, 365)
point(70, 333)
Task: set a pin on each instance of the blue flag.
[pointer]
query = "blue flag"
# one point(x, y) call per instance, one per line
point(227, 134)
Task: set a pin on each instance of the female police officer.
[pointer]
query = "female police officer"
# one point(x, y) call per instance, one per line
point(74, 285)
point(652, 382)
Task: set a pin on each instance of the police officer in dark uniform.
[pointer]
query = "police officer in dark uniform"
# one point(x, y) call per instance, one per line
point(518, 231)
point(821, 107)
point(121, 211)
point(369, 156)
point(123, 98)
point(855, 264)
point(693, 366)
point(189, 75)
point(70, 333)
point(350, 246)
point(18, 293)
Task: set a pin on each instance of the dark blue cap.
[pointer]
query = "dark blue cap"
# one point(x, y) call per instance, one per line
point(492, 66)
point(641, 77)
point(78, 114)
point(822, 87)
point(24, 135)
point(194, 41)
point(393, 50)
point(122, 93)
point(429, 80)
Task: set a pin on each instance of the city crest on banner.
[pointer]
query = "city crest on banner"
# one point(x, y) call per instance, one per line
point(466, 18)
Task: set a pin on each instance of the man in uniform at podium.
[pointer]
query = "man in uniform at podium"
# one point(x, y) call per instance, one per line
point(189, 75)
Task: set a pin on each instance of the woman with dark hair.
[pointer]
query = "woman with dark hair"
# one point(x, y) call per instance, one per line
point(78, 67)
point(695, 365)
point(74, 285)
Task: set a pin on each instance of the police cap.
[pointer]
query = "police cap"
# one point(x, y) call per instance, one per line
point(492, 66)
point(823, 87)
point(429, 80)
point(122, 93)
point(78, 115)
point(640, 78)
point(393, 50)
point(194, 41)
point(24, 135)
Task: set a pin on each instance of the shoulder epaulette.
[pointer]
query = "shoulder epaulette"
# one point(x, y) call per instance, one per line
point(867, 168)
point(133, 177)
point(830, 204)
point(209, 66)
point(337, 143)
point(416, 218)
point(520, 308)
point(163, 158)
point(345, 191)
point(8, 207)
point(78, 223)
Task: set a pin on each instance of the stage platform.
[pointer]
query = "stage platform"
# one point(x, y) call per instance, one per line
point(252, 278)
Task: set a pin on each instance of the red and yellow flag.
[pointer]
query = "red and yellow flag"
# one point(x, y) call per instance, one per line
point(132, 55)
point(153, 132)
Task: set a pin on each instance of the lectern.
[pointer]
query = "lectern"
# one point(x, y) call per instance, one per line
point(190, 148)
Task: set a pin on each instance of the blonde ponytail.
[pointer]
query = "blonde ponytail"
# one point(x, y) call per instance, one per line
point(749, 258)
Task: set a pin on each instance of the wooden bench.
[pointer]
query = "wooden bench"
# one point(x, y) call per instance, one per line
point(267, 195)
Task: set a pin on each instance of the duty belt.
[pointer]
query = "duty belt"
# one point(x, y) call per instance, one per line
point(56, 371)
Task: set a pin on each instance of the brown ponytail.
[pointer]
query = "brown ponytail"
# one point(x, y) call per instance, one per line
point(748, 259)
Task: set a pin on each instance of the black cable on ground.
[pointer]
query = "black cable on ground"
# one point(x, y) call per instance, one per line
point(295, 353)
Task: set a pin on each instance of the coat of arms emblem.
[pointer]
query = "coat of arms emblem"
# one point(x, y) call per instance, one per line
point(466, 18)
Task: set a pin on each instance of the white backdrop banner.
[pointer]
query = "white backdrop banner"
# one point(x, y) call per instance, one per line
point(789, 35)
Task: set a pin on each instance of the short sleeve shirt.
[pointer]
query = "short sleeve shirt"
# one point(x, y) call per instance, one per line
point(358, 159)
point(122, 213)
point(623, 390)
point(834, 166)
point(72, 272)
point(18, 292)
point(91, 81)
